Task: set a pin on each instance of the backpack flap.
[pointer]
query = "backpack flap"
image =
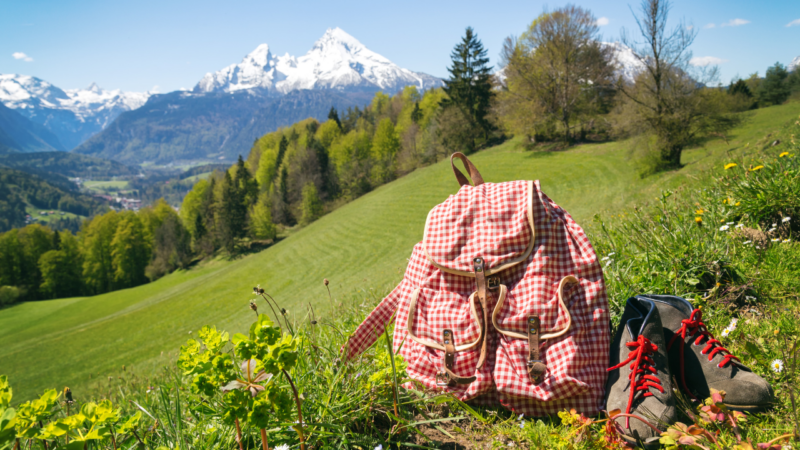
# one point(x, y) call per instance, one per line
point(493, 221)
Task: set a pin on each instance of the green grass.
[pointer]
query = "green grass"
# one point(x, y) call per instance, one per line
point(361, 248)
point(105, 186)
point(34, 212)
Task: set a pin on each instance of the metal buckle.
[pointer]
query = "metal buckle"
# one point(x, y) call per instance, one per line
point(442, 379)
point(534, 361)
point(493, 282)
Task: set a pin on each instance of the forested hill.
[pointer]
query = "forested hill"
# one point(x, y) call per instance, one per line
point(19, 189)
point(65, 164)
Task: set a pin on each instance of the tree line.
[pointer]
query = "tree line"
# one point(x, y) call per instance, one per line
point(112, 251)
point(559, 82)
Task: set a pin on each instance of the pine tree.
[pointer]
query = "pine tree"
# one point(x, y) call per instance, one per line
point(282, 147)
point(740, 87)
point(230, 223)
point(774, 90)
point(247, 185)
point(334, 116)
point(416, 114)
point(469, 87)
point(311, 206)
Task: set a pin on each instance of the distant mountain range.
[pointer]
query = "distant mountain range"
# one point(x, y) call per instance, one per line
point(228, 110)
point(19, 134)
point(222, 115)
point(72, 115)
point(794, 65)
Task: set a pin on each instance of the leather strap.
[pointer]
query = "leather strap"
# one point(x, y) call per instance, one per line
point(447, 377)
point(480, 279)
point(536, 367)
point(472, 171)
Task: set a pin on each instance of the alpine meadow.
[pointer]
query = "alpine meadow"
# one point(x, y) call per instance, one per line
point(189, 270)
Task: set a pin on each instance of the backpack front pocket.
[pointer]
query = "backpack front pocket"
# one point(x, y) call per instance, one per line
point(544, 372)
point(437, 320)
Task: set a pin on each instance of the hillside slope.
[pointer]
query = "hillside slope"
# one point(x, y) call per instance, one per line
point(361, 248)
point(18, 133)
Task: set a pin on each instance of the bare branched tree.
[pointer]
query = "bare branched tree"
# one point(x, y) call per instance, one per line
point(670, 98)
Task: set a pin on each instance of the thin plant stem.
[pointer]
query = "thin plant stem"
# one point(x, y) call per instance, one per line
point(299, 410)
point(113, 439)
point(44, 441)
point(394, 371)
point(275, 313)
point(264, 443)
point(238, 433)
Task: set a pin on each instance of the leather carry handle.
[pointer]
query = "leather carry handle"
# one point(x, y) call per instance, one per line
point(472, 171)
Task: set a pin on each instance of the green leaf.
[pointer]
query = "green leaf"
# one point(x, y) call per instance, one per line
point(755, 352)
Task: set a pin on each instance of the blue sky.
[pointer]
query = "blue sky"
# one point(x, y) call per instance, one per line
point(137, 45)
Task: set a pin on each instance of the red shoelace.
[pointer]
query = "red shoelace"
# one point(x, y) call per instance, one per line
point(641, 370)
point(694, 326)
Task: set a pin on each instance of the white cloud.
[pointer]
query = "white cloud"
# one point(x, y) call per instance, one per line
point(735, 23)
point(154, 89)
point(710, 25)
point(22, 56)
point(703, 61)
point(795, 22)
point(603, 21)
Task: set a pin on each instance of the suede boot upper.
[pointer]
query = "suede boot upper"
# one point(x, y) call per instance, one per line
point(639, 378)
point(700, 362)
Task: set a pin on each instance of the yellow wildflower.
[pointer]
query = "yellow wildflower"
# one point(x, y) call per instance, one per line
point(698, 219)
point(737, 203)
point(730, 166)
point(783, 154)
point(756, 168)
point(699, 211)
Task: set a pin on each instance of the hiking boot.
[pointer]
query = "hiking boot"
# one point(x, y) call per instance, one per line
point(639, 381)
point(700, 362)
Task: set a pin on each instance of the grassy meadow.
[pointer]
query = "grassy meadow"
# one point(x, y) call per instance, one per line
point(361, 248)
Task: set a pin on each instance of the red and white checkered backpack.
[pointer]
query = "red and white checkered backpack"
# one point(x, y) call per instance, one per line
point(503, 301)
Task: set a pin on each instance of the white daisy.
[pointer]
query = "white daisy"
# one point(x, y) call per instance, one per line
point(747, 242)
point(604, 259)
point(729, 223)
point(724, 228)
point(775, 240)
point(741, 225)
point(786, 219)
point(612, 254)
point(786, 241)
point(733, 323)
point(774, 225)
point(379, 447)
point(771, 230)
point(777, 366)
point(282, 447)
point(726, 332)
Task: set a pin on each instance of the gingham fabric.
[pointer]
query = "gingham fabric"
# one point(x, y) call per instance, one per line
point(491, 220)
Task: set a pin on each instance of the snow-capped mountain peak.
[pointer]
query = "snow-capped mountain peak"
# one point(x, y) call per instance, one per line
point(337, 60)
point(794, 65)
point(83, 111)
